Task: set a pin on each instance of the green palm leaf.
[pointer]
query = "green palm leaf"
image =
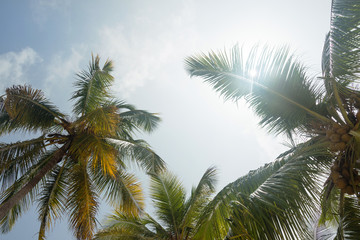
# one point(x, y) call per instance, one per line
point(139, 119)
point(169, 197)
point(140, 152)
point(199, 198)
point(17, 158)
point(103, 120)
point(351, 220)
point(27, 109)
point(15, 212)
point(93, 86)
point(126, 226)
point(53, 198)
point(280, 93)
point(341, 52)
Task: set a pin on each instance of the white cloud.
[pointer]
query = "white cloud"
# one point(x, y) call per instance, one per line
point(14, 65)
point(143, 51)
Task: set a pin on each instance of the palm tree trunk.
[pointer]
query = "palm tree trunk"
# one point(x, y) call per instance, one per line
point(12, 201)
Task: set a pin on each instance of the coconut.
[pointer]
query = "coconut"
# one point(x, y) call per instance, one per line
point(340, 146)
point(346, 138)
point(335, 138)
point(345, 173)
point(341, 183)
point(335, 176)
point(332, 147)
point(349, 190)
point(329, 132)
point(341, 131)
point(336, 126)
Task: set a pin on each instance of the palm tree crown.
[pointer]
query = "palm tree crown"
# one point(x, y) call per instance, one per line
point(179, 217)
point(73, 160)
point(323, 111)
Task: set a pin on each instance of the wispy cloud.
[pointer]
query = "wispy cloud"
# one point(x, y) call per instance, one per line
point(14, 66)
point(43, 9)
point(144, 52)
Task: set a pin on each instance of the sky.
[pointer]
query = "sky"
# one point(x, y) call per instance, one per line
point(44, 43)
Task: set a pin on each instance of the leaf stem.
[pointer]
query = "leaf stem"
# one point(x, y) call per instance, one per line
point(340, 103)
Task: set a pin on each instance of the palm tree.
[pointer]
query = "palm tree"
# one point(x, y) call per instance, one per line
point(72, 160)
point(178, 216)
point(322, 112)
point(248, 208)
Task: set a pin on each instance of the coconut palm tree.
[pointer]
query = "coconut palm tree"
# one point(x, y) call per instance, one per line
point(72, 160)
point(253, 200)
point(178, 216)
point(323, 111)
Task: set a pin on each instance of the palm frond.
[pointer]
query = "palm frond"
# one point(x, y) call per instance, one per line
point(351, 220)
point(52, 198)
point(97, 149)
point(331, 223)
point(25, 108)
point(140, 152)
point(199, 198)
point(123, 191)
point(267, 214)
point(168, 196)
point(92, 87)
point(280, 93)
point(126, 226)
point(22, 205)
point(140, 119)
point(341, 51)
point(82, 202)
point(103, 121)
point(17, 158)
point(259, 209)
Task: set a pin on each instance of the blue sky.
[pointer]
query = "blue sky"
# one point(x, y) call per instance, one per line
point(44, 43)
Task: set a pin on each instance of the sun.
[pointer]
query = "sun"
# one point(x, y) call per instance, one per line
point(252, 73)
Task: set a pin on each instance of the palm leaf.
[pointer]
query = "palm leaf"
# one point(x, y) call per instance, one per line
point(82, 202)
point(92, 87)
point(274, 216)
point(27, 109)
point(17, 158)
point(127, 226)
point(97, 149)
point(140, 119)
point(52, 198)
point(123, 191)
point(341, 52)
point(280, 93)
point(15, 212)
point(140, 152)
point(259, 209)
point(169, 197)
point(200, 197)
point(347, 227)
point(103, 120)
point(351, 220)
